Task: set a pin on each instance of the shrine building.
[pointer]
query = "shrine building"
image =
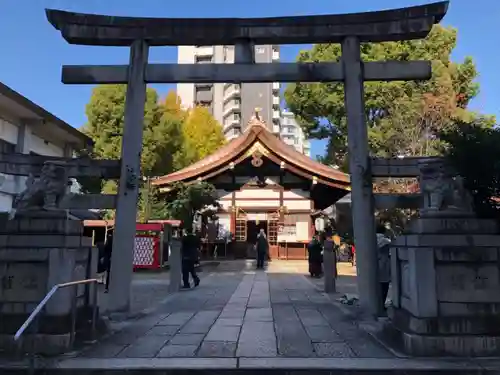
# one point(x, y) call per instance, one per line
point(264, 183)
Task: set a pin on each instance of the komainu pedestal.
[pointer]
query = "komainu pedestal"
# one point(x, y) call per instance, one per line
point(39, 249)
point(446, 276)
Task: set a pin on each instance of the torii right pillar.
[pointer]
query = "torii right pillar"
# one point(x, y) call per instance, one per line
point(362, 203)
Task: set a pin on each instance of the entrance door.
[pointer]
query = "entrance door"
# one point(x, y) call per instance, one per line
point(272, 237)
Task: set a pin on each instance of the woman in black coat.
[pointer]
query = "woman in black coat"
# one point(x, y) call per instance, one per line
point(315, 250)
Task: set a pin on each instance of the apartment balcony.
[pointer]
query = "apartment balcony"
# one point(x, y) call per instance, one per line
point(231, 119)
point(231, 106)
point(276, 86)
point(205, 51)
point(276, 115)
point(231, 91)
point(276, 101)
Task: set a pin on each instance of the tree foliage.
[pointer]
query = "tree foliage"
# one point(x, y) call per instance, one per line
point(202, 135)
point(403, 118)
point(474, 152)
point(173, 138)
point(192, 200)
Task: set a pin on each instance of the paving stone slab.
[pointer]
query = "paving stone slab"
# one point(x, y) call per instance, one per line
point(217, 349)
point(186, 339)
point(257, 339)
point(127, 335)
point(333, 349)
point(163, 330)
point(312, 317)
point(223, 333)
point(103, 351)
point(323, 334)
point(177, 351)
point(177, 318)
point(232, 313)
point(235, 322)
point(259, 314)
point(292, 339)
point(196, 328)
point(144, 347)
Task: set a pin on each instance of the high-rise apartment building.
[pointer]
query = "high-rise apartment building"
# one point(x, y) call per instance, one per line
point(291, 133)
point(232, 104)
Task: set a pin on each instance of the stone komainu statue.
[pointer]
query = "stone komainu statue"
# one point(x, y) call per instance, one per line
point(46, 191)
point(442, 191)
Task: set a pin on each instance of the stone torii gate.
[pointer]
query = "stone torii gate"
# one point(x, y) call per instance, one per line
point(348, 29)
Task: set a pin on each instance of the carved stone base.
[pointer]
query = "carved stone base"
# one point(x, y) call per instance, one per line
point(460, 346)
point(39, 249)
point(446, 278)
point(44, 344)
point(475, 336)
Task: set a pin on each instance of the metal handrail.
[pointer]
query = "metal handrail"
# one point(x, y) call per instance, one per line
point(49, 295)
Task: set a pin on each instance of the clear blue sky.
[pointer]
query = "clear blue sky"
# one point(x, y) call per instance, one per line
point(32, 52)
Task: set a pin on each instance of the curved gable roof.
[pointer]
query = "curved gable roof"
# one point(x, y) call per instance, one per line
point(256, 132)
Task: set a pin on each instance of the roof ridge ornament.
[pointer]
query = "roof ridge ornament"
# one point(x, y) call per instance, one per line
point(257, 113)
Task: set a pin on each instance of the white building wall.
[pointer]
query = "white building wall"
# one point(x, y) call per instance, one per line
point(186, 55)
point(12, 133)
point(233, 105)
point(43, 147)
point(293, 135)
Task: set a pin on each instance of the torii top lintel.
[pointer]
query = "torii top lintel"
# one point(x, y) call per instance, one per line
point(388, 25)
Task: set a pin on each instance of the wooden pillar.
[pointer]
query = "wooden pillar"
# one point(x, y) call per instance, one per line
point(282, 188)
point(125, 220)
point(361, 178)
point(233, 214)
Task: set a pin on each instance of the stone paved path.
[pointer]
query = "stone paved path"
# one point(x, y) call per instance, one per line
point(239, 312)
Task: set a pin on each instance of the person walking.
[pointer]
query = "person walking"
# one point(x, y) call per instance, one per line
point(108, 248)
point(189, 252)
point(330, 261)
point(384, 263)
point(315, 257)
point(262, 247)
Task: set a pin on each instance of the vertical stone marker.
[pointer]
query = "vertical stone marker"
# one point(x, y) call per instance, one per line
point(125, 222)
point(361, 178)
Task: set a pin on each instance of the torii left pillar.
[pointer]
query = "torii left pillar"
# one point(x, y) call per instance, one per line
point(122, 256)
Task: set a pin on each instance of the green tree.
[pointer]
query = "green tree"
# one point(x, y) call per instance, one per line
point(202, 134)
point(472, 150)
point(403, 118)
point(151, 205)
point(188, 201)
point(171, 149)
point(162, 133)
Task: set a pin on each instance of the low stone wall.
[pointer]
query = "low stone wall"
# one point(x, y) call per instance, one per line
point(38, 250)
point(446, 283)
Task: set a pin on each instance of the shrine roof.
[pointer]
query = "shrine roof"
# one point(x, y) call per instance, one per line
point(257, 138)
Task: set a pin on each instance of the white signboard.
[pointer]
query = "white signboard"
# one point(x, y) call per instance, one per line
point(302, 231)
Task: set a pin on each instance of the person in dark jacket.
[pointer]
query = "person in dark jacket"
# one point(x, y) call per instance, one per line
point(315, 257)
point(189, 251)
point(262, 247)
point(108, 248)
point(384, 262)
